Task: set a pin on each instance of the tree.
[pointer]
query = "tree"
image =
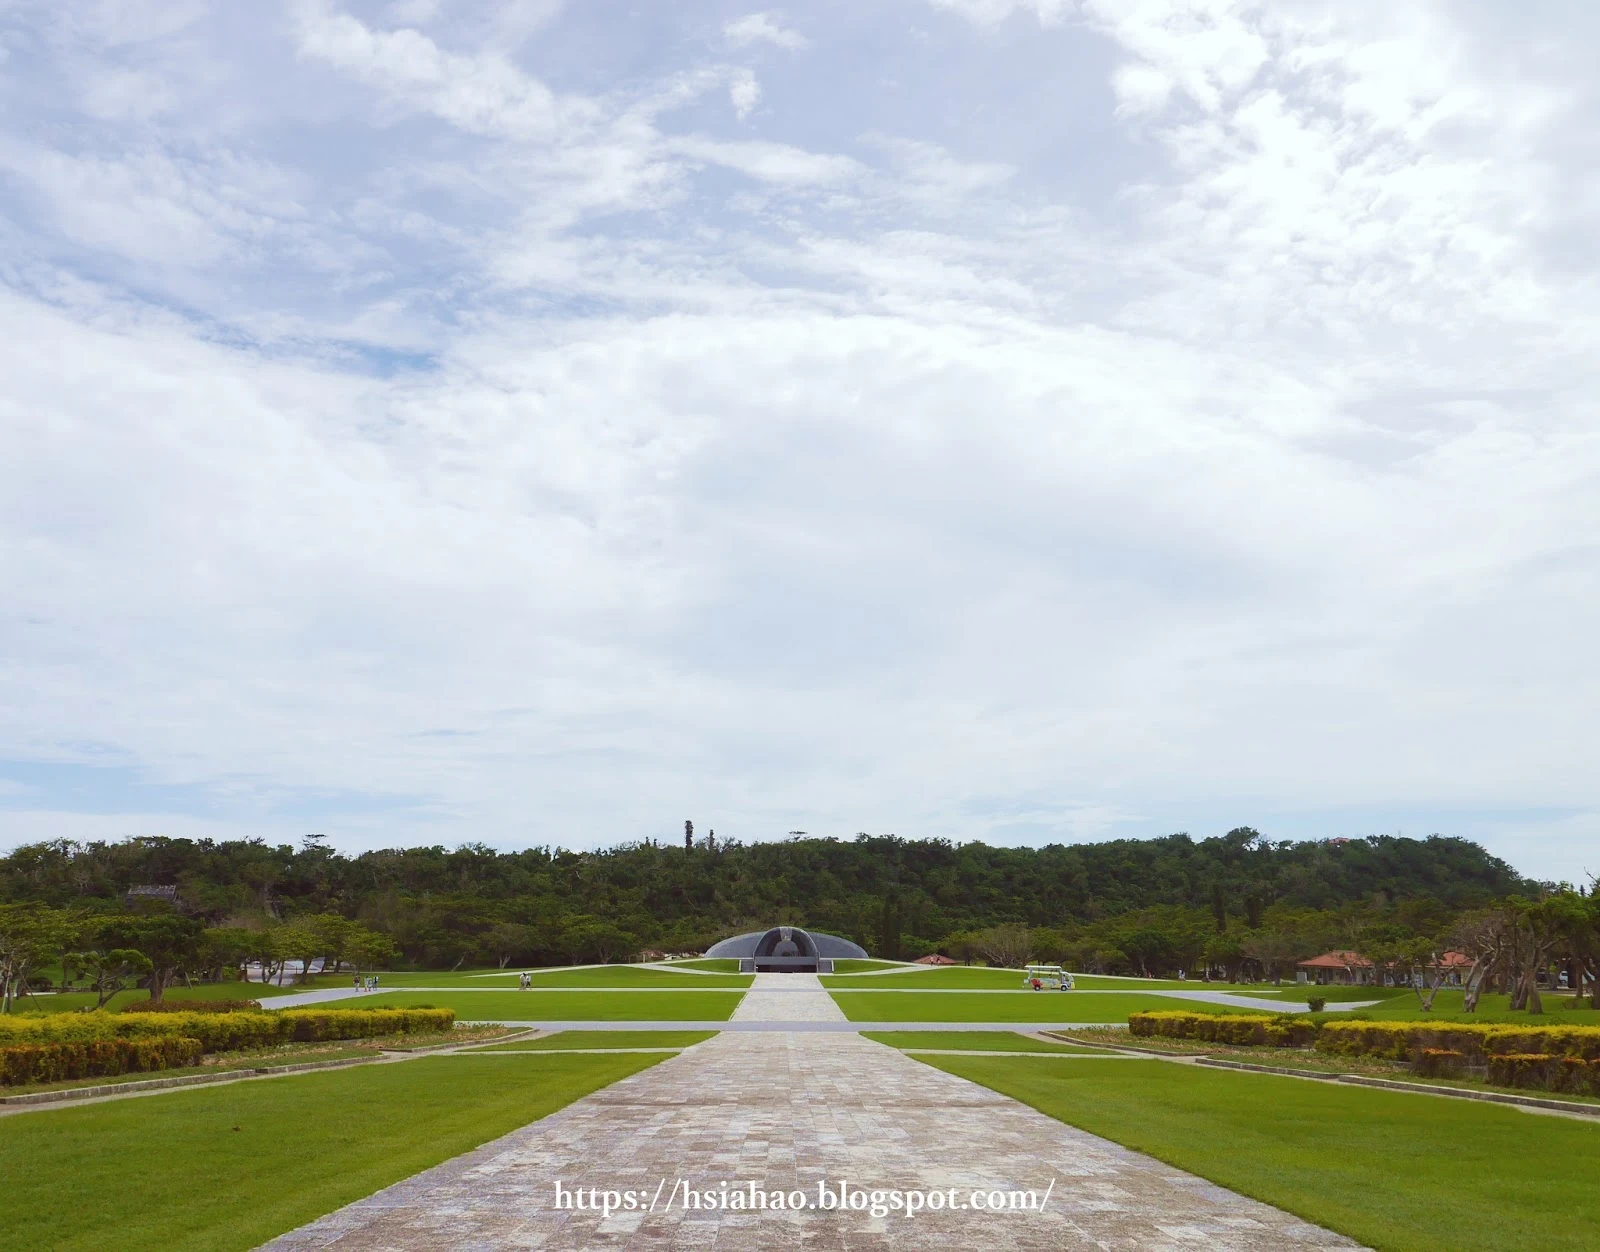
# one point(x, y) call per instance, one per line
point(688, 835)
point(109, 971)
point(1272, 950)
point(889, 928)
point(297, 941)
point(1219, 908)
point(1009, 946)
point(508, 939)
point(1149, 950)
point(597, 940)
point(1486, 936)
point(963, 945)
point(171, 942)
point(226, 947)
point(367, 949)
point(30, 935)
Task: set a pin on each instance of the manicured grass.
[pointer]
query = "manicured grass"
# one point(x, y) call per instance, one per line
point(975, 1040)
point(229, 1167)
point(1299, 993)
point(604, 1039)
point(636, 976)
point(550, 1006)
point(1492, 1008)
point(1398, 1172)
point(949, 977)
point(994, 979)
point(859, 965)
point(70, 1001)
point(716, 964)
point(596, 976)
point(1040, 1006)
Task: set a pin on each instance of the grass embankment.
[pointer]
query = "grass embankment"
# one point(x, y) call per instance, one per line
point(264, 1157)
point(569, 1039)
point(1398, 1172)
point(1041, 1006)
point(715, 964)
point(578, 1006)
point(866, 965)
point(972, 1040)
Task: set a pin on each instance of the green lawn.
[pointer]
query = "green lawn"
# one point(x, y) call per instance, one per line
point(70, 1001)
point(550, 1006)
point(1041, 1006)
point(229, 1167)
point(604, 1039)
point(1558, 1011)
point(1398, 1172)
point(1299, 993)
point(596, 976)
point(975, 1040)
point(986, 978)
point(950, 977)
point(637, 976)
point(859, 965)
point(717, 965)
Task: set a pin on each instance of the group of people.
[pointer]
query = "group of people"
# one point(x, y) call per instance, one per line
point(369, 983)
point(524, 980)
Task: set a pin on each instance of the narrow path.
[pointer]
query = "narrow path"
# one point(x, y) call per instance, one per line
point(795, 1112)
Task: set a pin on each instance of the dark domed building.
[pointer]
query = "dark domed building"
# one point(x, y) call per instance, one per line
point(787, 949)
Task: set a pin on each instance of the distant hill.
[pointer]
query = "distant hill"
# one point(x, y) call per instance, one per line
point(445, 906)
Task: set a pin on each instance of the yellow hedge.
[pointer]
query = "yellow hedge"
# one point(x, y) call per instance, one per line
point(225, 1032)
point(1545, 1072)
point(1234, 1028)
point(94, 1058)
point(1476, 1041)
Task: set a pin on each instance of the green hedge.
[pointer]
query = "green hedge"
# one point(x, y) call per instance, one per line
point(60, 1062)
point(1544, 1071)
point(1406, 1041)
point(192, 1006)
point(1281, 1031)
point(226, 1032)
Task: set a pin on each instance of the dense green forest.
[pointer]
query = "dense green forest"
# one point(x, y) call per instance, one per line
point(1142, 905)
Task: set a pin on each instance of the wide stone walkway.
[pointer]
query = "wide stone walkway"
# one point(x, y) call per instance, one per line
point(789, 1111)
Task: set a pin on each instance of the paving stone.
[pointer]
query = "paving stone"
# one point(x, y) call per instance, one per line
point(787, 1111)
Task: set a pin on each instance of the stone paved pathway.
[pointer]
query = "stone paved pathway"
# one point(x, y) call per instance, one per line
point(787, 998)
point(787, 1111)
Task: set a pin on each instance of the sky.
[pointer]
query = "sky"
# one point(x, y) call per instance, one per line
point(1020, 420)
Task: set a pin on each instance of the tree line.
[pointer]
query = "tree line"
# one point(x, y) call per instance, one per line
point(1240, 903)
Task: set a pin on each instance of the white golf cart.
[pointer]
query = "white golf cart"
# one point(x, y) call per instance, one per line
point(1047, 978)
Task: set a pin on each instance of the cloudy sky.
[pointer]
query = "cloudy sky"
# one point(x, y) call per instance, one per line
point(1025, 420)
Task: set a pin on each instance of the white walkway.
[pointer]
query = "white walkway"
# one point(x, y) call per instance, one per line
point(787, 998)
point(794, 1112)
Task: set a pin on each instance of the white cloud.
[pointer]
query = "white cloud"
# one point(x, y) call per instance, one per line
point(993, 12)
point(530, 450)
point(763, 28)
point(744, 93)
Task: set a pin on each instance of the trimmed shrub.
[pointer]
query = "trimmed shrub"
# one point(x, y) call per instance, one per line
point(305, 1025)
point(1404, 1041)
point(226, 1032)
point(1543, 1071)
point(1440, 1063)
point(1278, 1031)
point(1316, 1003)
point(95, 1058)
point(192, 1006)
